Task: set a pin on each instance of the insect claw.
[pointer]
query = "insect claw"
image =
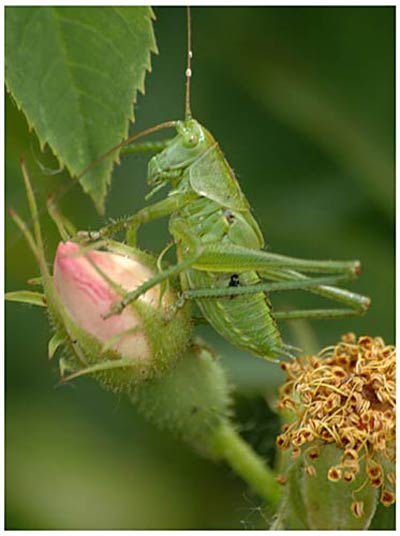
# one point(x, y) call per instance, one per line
point(89, 235)
point(357, 268)
point(83, 234)
point(366, 304)
point(112, 312)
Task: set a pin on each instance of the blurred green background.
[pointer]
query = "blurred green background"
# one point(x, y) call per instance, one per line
point(301, 101)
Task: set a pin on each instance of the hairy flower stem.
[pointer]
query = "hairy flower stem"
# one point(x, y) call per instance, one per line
point(228, 444)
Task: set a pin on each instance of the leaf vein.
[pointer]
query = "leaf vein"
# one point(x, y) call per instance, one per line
point(83, 122)
point(125, 22)
point(89, 28)
point(29, 23)
point(78, 65)
point(95, 99)
point(49, 68)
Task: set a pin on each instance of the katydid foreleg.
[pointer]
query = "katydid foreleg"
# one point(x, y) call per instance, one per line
point(145, 147)
point(158, 210)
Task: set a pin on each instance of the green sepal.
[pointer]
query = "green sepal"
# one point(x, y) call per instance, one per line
point(27, 296)
point(192, 400)
point(292, 513)
point(314, 502)
point(82, 351)
point(35, 281)
point(54, 343)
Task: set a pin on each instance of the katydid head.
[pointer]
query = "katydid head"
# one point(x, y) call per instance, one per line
point(191, 141)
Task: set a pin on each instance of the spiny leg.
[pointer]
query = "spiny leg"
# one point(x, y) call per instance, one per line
point(223, 292)
point(231, 258)
point(224, 258)
point(229, 292)
point(236, 259)
point(193, 250)
point(145, 147)
point(357, 302)
point(315, 314)
point(163, 208)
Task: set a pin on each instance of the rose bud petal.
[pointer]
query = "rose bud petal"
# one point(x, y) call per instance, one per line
point(88, 297)
point(145, 333)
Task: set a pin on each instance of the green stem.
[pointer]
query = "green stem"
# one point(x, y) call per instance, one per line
point(227, 444)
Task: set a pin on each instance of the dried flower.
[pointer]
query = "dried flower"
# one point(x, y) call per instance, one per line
point(344, 399)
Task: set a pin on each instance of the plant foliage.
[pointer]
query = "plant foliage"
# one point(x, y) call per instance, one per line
point(75, 73)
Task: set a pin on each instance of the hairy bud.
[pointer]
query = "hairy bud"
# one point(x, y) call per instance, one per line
point(121, 349)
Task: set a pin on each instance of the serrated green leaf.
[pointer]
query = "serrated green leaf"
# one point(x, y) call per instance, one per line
point(27, 296)
point(75, 73)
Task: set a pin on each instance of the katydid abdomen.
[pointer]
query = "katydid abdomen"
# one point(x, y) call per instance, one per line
point(245, 321)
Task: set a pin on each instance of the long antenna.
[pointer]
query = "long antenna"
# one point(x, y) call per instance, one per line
point(74, 181)
point(188, 109)
point(167, 124)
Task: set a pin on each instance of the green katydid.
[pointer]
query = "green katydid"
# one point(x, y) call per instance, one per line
point(219, 246)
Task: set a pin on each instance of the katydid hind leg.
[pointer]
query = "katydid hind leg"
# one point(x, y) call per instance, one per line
point(222, 292)
point(315, 285)
point(225, 258)
point(220, 257)
point(193, 251)
point(315, 314)
point(356, 302)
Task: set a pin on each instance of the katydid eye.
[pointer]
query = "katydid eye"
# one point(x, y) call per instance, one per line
point(191, 140)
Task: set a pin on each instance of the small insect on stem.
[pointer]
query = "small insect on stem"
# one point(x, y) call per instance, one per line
point(219, 245)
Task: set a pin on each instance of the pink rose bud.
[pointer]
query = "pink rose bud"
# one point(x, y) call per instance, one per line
point(87, 296)
point(142, 342)
point(148, 335)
